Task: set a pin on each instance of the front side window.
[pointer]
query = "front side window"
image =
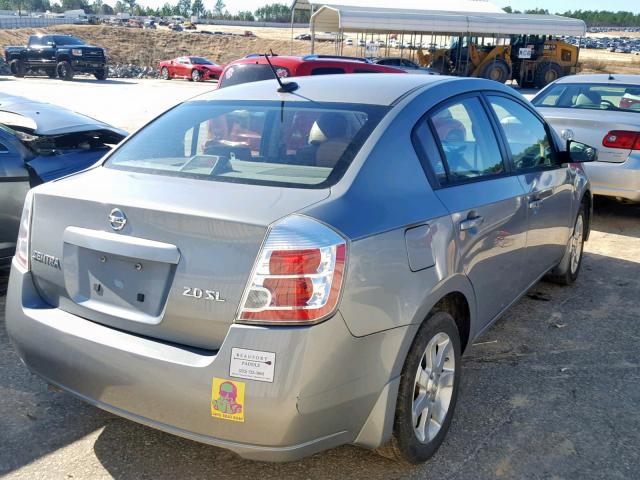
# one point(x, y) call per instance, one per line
point(200, 61)
point(308, 145)
point(467, 141)
point(591, 97)
point(525, 133)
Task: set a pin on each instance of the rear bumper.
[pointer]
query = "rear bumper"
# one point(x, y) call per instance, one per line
point(328, 385)
point(620, 180)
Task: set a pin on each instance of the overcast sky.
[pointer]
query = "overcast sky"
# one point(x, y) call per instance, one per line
point(552, 5)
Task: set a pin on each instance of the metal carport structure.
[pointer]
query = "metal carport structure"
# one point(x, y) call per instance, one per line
point(462, 17)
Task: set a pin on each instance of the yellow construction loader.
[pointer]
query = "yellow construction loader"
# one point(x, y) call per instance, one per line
point(531, 60)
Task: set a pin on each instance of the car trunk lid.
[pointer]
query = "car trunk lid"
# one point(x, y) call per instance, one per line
point(588, 128)
point(177, 268)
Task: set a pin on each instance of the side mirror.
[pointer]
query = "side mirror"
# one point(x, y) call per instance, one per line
point(578, 152)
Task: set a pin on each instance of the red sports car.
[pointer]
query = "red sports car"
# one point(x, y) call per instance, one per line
point(195, 69)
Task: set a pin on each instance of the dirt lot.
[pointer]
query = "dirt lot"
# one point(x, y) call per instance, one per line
point(148, 47)
point(551, 391)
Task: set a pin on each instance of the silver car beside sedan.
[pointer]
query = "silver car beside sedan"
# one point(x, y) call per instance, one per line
point(279, 269)
point(602, 110)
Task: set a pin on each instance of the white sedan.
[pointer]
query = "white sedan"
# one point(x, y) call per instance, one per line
point(601, 110)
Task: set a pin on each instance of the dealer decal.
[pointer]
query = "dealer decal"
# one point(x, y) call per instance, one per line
point(252, 364)
point(227, 400)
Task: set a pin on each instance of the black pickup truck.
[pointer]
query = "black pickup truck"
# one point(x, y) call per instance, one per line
point(59, 56)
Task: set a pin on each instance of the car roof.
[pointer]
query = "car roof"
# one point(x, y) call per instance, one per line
point(613, 79)
point(361, 88)
point(285, 60)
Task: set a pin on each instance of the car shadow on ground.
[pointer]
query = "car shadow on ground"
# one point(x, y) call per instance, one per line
point(612, 216)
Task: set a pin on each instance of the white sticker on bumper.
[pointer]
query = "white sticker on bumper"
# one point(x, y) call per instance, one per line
point(252, 364)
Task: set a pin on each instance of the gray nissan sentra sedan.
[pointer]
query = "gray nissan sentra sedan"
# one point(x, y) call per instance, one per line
point(278, 273)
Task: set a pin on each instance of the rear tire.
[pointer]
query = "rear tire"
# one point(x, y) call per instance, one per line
point(17, 68)
point(546, 73)
point(427, 393)
point(567, 271)
point(165, 73)
point(64, 70)
point(497, 70)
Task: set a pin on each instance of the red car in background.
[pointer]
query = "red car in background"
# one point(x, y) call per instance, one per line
point(194, 69)
point(255, 67)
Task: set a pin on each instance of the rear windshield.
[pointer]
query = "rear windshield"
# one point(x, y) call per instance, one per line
point(250, 72)
point(591, 97)
point(297, 144)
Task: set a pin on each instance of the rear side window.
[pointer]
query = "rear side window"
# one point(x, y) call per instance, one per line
point(252, 72)
point(591, 97)
point(327, 71)
point(467, 141)
point(298, 144)
point(525, 133)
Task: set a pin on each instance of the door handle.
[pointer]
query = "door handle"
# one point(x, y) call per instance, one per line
point(535, 204)
point(470, 223)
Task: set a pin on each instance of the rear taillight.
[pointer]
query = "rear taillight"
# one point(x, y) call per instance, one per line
point(298, 276)
point(622, 139)
point(22, 245)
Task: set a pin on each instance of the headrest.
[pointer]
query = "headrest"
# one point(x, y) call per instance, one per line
point(588, 98)
point(330, 125)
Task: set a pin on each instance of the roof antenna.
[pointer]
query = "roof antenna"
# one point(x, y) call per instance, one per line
point(288, 87)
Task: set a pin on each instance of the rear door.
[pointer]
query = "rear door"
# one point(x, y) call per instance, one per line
point(14, 184)
point(548, 185)
point(484, 199)
point(41, 51)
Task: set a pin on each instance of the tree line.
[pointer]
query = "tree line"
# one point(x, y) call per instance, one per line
point(274, 12)
point(593, 18)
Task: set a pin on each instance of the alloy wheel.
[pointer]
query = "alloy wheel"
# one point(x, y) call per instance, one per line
point(433, 388)
point(576, 244)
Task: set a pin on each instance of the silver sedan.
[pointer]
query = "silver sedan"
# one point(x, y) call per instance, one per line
point(278, 268)
point(601, 110)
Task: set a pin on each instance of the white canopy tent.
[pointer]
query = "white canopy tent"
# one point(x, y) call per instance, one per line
point(330, 18)
point(417, 17)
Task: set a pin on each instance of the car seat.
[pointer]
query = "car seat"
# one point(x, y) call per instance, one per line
point(328, 140)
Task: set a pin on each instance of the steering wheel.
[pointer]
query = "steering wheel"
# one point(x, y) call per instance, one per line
point(607, 102)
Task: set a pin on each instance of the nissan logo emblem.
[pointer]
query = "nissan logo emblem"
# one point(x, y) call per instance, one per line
point(117, 219)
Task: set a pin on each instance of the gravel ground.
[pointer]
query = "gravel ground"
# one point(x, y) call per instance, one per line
point(550, 391)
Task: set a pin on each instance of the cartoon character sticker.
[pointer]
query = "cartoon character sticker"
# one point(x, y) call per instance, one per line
point(227, 400)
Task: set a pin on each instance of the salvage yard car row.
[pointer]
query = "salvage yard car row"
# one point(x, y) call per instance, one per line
point(230, 263)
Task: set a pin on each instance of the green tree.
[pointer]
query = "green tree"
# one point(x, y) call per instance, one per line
point(274, 12)
point(197, 8)
point(184, 8)
point(218, 8)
